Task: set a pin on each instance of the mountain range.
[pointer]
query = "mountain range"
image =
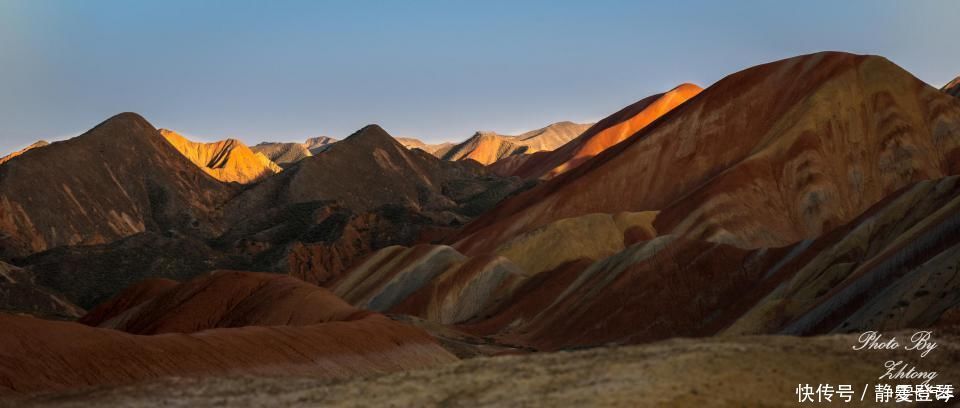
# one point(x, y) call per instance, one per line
point(812, 196)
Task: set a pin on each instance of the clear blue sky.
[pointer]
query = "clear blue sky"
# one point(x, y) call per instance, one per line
point(438, 70)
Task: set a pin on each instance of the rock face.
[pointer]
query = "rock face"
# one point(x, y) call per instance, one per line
point(36, 145)
point(760, 159)
point(118, 179)
point(286, 154)
point(953, 88)
point(602, 135)
point(310, 333)
point(227, 160)
point(489, 147)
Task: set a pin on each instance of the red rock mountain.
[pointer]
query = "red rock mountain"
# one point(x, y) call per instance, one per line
point(227, 160)
point(759, 159)
point(275, 325)
point(831, 211)
point(602, 135)
point(118, 179)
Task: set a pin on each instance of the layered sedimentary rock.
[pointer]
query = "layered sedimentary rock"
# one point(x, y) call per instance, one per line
point(601, 136)
point(118, 179)
point(766, 157)
point(489, 147)
point(227, 160)
point(275, 325)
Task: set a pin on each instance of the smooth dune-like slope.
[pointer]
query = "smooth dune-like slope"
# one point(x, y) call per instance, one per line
point(490, 147)
point(20, 294)
point(765, 157)
point(261, 324)
point(603, 135)
point(224, 299)
point(118, 179)
point(227, 160)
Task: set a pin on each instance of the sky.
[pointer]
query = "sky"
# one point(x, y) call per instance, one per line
point(435, 70)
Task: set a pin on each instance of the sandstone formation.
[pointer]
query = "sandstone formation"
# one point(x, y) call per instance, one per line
point(286, 154)
point(36, 145)
point(261, 325)
point(766, 157)
point(603, 135)
point(118, 179)
point(227, 160)
point(489, 147)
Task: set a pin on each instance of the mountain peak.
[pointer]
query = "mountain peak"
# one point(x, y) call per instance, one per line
point(371, 135)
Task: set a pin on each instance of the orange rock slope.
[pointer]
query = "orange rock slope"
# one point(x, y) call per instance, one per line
point(766, 157)
point(227, 160)
point(278, 326)
point(604, 134)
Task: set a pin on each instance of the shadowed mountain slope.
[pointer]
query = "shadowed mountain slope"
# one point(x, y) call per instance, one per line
point(224, 299)
point(286, 154)
point(36, 145)
point(227, 160)
point(118, 179)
